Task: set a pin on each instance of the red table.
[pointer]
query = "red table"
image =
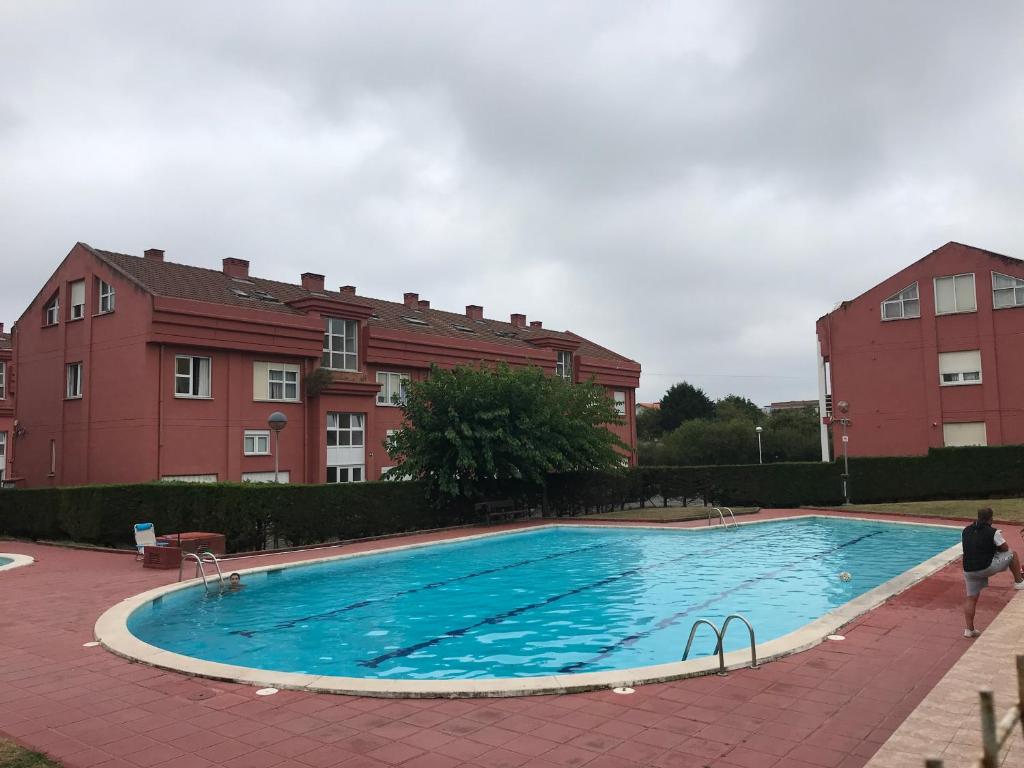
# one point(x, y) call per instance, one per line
point(191, 541)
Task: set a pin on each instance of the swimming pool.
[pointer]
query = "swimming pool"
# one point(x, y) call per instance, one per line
point(9, 561)
point(556, 601)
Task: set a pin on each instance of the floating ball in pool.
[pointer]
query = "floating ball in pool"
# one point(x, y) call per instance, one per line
point(845, 576)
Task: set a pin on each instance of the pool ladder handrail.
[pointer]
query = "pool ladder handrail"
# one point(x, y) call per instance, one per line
point(721, 516)
point(720, 640)
point(200, 558)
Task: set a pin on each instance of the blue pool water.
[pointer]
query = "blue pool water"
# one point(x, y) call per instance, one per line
point(558, 600)
point(6, 560)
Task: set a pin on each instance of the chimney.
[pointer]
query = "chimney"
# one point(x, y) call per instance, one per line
point(519, 321)
point(424, 304)
point(536, 324)
point(412, 300)
point(154, 254)
point(236, 267)
point(311, 281)
point(348, 290)
point(474, 312)
point(1, 327)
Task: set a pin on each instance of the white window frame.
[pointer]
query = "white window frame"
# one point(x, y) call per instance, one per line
point(259, 439)
point(279, 376)
point(956, 295)
point(73, 381)
point(1016, 289)
point(960, 378)
point(193, 377)
point(283, 476)
point(563, 365)
point(3, 379)
point(950, 428)
point(346, 474)
point(104, 297)
point(51, 312)
point(902, 300)
point(208, 478)
point(619, 396)
point(349, 430)
point(77, 308)
point(390, 382)
point(336, 334)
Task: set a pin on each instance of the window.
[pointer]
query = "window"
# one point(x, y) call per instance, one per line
point(53, 457)
point(955, 294)
point(283, 382)
point(191, 376)
point(620, 403)
point(964, 433)
point(345, 429)
point(256, 442)
point(189, 478)
point(1007, 291)
point(340, 344)
point(3, 380)
point(74, 379)
point(957, 368)
point(51, 312)
point(344, 474)
point(283, 476)
point(105, 292)
point(3, 455)
point(393, 388)
point(903, 305)
point(563, 365)
point(77, 300)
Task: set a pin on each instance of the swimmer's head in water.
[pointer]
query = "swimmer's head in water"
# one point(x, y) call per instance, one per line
point(234, 578)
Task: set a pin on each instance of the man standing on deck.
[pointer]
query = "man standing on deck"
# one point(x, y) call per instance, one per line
point(986, 553)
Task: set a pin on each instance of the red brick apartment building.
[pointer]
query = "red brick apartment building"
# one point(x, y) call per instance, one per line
point(134, 368)
point(6, 402)
point(933, 356)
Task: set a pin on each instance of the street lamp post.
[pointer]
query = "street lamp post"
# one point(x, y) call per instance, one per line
point(844, 408)
point(277, 421)
point(759, 430)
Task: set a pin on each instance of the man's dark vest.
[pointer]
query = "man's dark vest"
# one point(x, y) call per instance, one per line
point(979, 546)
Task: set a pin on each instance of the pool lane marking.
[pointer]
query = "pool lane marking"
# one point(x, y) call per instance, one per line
point(669, 621)
point(498, 618)
point(291, 623)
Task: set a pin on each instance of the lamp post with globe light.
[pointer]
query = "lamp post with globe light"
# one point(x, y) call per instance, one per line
point(844, 408)
point(759, 430)
point(277, 421)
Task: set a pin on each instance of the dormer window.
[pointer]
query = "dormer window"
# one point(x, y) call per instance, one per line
point(51, 312)
point(903, 305)
point(563, 365)
point(341, 344)
point(1007, 291)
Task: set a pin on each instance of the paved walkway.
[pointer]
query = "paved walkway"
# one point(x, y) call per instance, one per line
point(833, 705)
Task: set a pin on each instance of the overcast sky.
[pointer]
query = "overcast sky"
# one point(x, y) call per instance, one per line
point(690, 184)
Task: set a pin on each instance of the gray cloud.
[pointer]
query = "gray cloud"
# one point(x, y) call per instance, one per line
point(691, 184)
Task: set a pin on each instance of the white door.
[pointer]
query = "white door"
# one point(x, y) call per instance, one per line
point(346, 447)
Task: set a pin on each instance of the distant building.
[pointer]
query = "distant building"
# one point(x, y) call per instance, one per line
point(133, 368)
point(791, 405)
point(6, 401)
point(642, 407)
point(932, 356)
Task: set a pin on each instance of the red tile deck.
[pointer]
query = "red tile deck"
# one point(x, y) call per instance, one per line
point(829, 707)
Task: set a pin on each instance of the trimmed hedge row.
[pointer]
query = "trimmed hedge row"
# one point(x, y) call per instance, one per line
point(249, 515)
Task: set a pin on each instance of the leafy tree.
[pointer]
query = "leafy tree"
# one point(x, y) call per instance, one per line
point(792, 435)
point(709, 441)
point(468, 427)
point(734, 407)
point(684, 402)
point(648, 426)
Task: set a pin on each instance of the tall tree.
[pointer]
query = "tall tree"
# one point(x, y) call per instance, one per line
point(684, 402)
point(465, 428)
point(733, 407)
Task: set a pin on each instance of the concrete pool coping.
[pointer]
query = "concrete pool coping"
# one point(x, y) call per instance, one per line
point(111, 630)
point(17, 561)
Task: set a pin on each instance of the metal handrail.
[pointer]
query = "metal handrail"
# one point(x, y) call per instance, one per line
point(209, 557)
point(720, 515)
point(718, 635)
point(750, 629)
point(733, 516)
point(200, 571)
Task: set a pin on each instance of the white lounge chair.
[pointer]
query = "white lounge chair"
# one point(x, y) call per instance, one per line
point(145, 536)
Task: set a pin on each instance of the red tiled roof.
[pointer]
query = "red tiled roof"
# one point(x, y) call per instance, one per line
point(5, 341)
point(181, 281)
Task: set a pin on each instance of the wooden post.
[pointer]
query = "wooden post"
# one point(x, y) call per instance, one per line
point(989, 740)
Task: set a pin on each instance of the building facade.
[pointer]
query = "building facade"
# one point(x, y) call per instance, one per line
point(6, 402)
point(933, 356)
point(131, 369)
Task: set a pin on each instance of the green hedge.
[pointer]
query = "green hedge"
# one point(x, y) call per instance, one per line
point(249, 515)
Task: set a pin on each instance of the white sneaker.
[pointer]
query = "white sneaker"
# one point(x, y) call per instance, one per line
point(971, 633)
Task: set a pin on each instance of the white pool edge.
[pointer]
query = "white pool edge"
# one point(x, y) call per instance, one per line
point(17, 561)
point(112, 632)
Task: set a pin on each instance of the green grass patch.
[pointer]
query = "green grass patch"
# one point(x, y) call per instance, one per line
point(667, 514)
point(1006, 510)
point(13, 756)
